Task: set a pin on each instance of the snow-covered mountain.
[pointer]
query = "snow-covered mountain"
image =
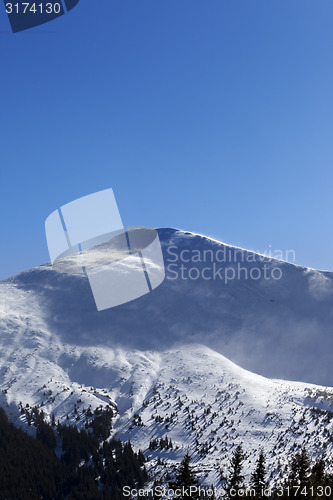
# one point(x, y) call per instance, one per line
point(276, 327)
point(162, 360)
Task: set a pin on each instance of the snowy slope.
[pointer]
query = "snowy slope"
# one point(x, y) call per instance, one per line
point(162, 360)
point(206, 404)
point(194, 396)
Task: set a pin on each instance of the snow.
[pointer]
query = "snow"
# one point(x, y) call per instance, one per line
point(169, 353)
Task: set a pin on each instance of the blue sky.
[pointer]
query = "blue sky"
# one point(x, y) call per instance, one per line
point(214, 116)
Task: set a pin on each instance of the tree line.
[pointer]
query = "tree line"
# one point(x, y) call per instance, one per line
point(93, 466)
point(304, 479)
point(87, 469)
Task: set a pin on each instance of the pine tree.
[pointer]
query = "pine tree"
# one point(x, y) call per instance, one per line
point(303, 467)
point(236, 477)
point(318, 476)
point(258, 482)
point(299, 474)
point(318, 470)
point(185, 478)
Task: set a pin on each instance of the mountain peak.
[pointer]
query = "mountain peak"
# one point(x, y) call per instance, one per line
point(266, 315)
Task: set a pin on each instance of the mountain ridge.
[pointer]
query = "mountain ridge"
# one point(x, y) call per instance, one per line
point(283, 326)
point(167, 364)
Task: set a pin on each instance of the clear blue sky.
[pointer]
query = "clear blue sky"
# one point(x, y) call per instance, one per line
point(214, 116)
